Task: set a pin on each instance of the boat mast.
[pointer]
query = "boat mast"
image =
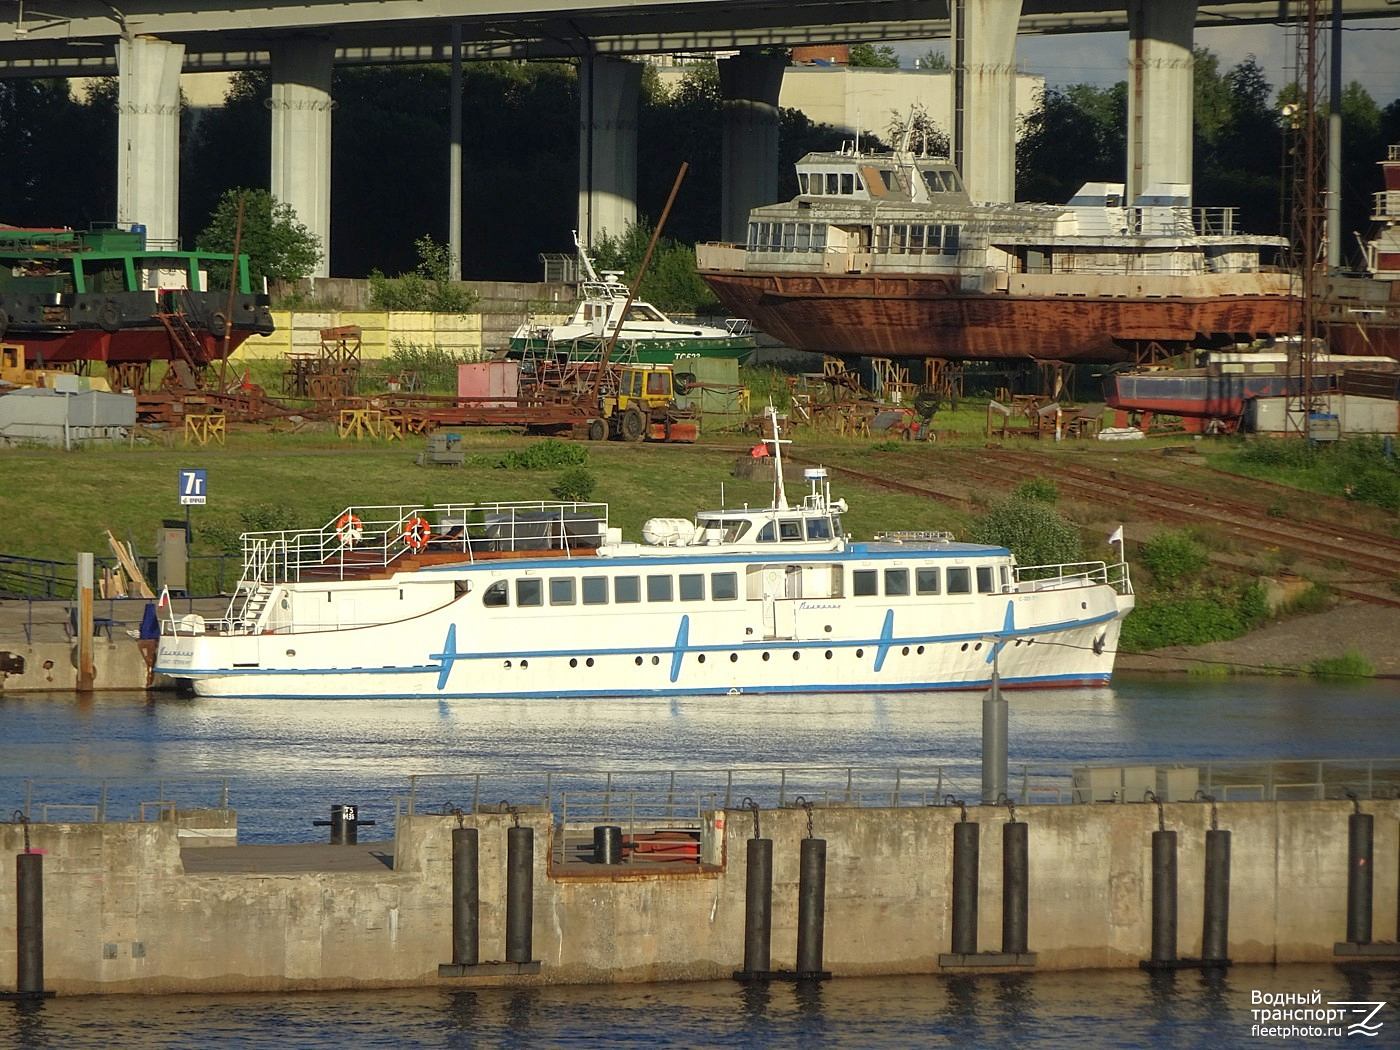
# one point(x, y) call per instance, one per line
point(779, 493)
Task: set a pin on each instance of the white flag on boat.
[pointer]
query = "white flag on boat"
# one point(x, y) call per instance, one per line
point(1116, 536)
point(164, 598)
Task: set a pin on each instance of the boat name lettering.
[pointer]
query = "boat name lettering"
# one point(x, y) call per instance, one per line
point(818, 605)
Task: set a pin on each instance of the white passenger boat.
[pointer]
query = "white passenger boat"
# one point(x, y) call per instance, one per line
point(547, 600)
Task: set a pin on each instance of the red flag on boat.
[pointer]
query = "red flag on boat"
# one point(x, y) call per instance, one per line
point(759, 451)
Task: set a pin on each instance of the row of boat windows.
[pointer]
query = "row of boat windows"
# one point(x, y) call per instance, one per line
point(896, 238)
point(531, 591)
point(848, 183)
point(783, 530)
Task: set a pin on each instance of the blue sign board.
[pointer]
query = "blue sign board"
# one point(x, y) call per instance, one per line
point(194, 487)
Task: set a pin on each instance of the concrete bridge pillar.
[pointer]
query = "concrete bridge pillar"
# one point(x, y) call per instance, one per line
point(148, 136)
point(301, 135)
point(984, 96)
point(1161, 90)
point(749, 86)
point(609, 89)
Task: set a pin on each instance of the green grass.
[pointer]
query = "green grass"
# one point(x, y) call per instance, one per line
point(1351, 664)
point(61, 503)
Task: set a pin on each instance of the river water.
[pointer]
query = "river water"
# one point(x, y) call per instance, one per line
point(284, 764)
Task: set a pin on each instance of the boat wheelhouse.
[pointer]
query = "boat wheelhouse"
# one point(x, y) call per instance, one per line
point(886, 255)
point(548, 600)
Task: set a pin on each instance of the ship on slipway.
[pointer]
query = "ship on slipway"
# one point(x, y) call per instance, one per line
point(886, 255)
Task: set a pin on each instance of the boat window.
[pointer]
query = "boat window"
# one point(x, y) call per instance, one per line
point(496, 595)
point(692, 586)
point(529, 592)
point(865, 582)
point(882, 238)
point(848, 182)
point(768, 533)
point(925, 581)
point(804, 236)
point(775, 236)
point(818, 529)
point(627, 589)
point(595, 590)
point(833, 183)
point(959, 581)
point(934, 239)
point(916, 239)
point(659, 588)
point(733, 530)
point(887, 177)
point(896, 583)
point(753, 235)
point(789, 529)
point(561, 590)
point(789, 236)
point(1006, 577)
point(932, 181)
point(724, 586)
point(986, 579)
point(801, 182)
point(899, 237)
point(950, 240)
point(818, 238)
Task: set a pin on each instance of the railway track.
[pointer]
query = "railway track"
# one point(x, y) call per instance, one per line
point(1371, 561)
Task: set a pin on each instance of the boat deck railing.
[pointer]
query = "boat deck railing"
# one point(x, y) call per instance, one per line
point(1074, 574)
point(362, 539)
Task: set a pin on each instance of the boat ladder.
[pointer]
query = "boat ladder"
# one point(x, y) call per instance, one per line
point(183, 338)
point(257, 595)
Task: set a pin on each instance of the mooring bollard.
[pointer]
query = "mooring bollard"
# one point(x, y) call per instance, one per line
point(1015, 885)
point(1360, 864)
point(520, 893)
point(466, 897)
point(607, 844)
point(965, 856)
point(1215, 926)
point(811, 903)
point(345, 825)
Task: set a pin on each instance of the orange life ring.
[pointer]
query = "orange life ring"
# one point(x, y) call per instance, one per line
point(416, 533)
point(350, 530)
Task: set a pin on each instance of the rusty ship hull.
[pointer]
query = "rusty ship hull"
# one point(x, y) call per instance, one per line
point(911, 316)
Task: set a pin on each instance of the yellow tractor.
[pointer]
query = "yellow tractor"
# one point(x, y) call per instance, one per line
point(644, 406)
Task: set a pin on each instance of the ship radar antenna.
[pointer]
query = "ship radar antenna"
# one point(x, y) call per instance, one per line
point(779, 493)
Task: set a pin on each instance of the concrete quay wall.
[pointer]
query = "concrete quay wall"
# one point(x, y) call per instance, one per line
point(123, 916)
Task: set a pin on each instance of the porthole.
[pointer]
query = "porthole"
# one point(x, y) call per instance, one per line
point(291, 652)
point(507, 665)
point(904, 651)
point(765, 657)
point(655, 660)
point(700, 659)
point(796, 655)
point(573, 662)
point(1084, 605)
point(588, 662)
point(524, 664)
point(977, 648)
point(733, 658)
point(964, 647)
point(920, 650)
point(827, 628)
point(639, 661)
point(828, 654)
point(860, 653)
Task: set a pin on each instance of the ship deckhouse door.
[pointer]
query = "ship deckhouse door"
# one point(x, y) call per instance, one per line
point(782, 586)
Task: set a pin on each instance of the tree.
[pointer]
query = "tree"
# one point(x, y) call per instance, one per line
point(873, 56)
point(670, 282)
point(278, 246)
point(932, 59)
point(1072, 137)
point(1031, 529)
point(924, 134)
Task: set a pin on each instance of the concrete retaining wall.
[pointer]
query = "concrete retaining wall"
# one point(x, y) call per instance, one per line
point(122, 916)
